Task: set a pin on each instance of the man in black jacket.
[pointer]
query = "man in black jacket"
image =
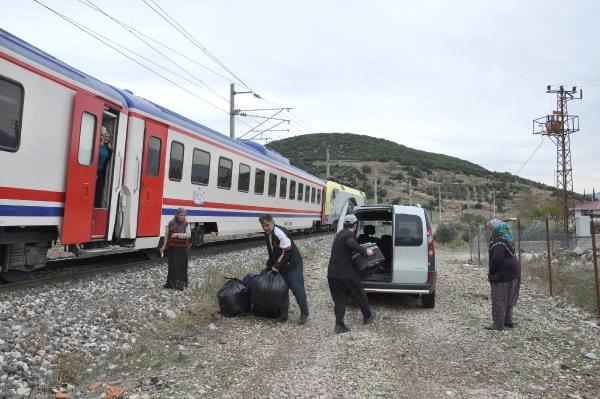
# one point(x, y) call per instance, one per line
point(343, 279)
point(285, 258)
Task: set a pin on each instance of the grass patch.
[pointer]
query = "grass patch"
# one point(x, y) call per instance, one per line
point(576, 284)
point(153, 353)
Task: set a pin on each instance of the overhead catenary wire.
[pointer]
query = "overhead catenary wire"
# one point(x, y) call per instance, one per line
point(130, 28)
point(90, 33)
point(90, 4)
point(177, 26)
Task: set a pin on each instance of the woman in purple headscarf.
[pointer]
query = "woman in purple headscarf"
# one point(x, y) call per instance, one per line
point(178, 234)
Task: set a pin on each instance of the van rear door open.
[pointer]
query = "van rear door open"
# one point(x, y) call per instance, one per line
point(410, 246)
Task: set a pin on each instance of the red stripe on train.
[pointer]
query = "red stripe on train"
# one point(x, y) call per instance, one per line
point(31, 195)
point(173, 201)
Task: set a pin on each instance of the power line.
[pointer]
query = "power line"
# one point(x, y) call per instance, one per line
point(531, 156)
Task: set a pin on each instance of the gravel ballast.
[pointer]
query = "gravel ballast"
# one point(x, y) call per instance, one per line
point(123, 329)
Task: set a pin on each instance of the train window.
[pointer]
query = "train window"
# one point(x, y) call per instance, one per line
point(272, 185)
point(292, 189)
point(153, 165)
point(224, 177)
point(176, 161)
point(306, 194)
point(318, 197)
point(259, 181)
point(200, 167)
point(282, 187)
point(87, 139)
point(313, 194)
point(244, 178)
point(300, 191)
point(11, 113)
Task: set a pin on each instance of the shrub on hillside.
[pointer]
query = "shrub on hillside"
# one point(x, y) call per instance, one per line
point(446, 233)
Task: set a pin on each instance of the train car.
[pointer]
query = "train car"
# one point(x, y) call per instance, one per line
point(335, 196)
point(52, 117)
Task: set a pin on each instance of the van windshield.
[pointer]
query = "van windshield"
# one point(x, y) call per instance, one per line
point(409, 231)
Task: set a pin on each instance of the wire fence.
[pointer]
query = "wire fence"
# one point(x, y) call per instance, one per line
point(568, 268)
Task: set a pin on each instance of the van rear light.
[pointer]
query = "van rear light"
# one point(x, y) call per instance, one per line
point(430, 244)
point(430, 277)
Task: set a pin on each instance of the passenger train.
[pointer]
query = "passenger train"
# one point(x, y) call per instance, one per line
point(52, 190)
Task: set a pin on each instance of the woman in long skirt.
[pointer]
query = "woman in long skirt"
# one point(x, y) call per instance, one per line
point(504, 274)
point(178, 234)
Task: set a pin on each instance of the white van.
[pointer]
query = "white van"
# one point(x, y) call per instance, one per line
point(405, 237)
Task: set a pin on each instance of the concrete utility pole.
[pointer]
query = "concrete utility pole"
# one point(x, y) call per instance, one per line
point(440, 200)
point(232, 111)
point(410, 192)
point(327, 163)
point(468, 200)
point(558, 127)
point(494, 205)
point(375, 187)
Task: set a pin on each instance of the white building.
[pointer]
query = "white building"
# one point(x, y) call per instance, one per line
point(582, 218)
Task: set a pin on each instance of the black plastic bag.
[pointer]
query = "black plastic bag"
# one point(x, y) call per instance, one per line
point(234, 298)
point(269, 295)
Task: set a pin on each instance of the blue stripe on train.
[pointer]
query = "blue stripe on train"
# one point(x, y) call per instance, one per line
point(206, 212)
point(21, 210)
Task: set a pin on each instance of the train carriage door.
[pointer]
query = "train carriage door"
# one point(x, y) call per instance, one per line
point(81, 174)
point(152, 180)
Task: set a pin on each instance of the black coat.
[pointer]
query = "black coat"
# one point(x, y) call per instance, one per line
point(503, 263)
point(340, 262)
point(290, 259)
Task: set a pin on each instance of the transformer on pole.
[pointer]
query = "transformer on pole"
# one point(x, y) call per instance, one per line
point(558, 127)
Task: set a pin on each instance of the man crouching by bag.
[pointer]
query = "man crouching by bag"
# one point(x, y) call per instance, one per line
point(285, 258)
point(343, 279)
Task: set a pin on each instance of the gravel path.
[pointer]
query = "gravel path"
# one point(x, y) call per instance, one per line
point(125, 330)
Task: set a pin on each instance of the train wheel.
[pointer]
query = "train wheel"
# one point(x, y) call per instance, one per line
point(152, 253)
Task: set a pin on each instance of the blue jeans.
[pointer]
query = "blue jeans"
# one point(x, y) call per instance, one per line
point(295, 281)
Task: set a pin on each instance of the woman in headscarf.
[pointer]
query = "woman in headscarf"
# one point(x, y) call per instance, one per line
point(504, 274)
point(104, 154)
point(178, 234)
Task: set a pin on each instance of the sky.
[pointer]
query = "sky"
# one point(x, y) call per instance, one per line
point(462, 78)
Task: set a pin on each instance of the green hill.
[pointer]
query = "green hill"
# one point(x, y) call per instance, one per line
point(401, 169)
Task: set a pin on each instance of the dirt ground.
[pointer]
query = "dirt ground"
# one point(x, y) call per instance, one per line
point(409, 352)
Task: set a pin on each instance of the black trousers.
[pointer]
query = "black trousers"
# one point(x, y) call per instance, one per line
point(341, 289)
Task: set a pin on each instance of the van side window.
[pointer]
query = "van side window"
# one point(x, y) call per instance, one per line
point(224, 175)
point(282, 187)
point(11, 114)
point(272, 185)
point(313, 194)
point(244, 178)
point(292, 189)
point(259, 181)
point(200, 167)
point(176, 161)
point(87, 139)
point(408, 231)
point(300, 191)
point(306, 194)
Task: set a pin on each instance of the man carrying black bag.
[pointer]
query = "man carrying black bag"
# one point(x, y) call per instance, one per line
point(343, 279)
point(285, 259)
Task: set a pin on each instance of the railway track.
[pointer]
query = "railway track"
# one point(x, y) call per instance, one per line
point(74, 269)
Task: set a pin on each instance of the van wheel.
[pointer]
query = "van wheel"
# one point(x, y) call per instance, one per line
point(428, 300)
point(151, 253)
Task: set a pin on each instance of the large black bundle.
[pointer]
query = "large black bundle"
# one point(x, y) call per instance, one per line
point(234, 298)
point(269, 295)
point(364, 265)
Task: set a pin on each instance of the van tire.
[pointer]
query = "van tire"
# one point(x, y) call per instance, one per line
point(428, 300)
